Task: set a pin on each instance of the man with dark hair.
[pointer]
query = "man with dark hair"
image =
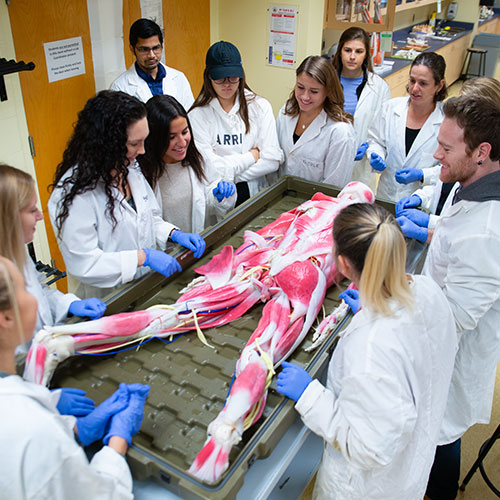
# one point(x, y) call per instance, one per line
point(463, 259)
point(148, 76)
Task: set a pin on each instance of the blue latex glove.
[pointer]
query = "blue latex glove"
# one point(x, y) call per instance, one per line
point(360, 152)
point(407, 175)
point(74, 402)
point(351, 298)
point(223, 190)
point(92, 308)
point(292, 380)
point(127, 423)
point(161, 262)
point(412, 201)
point(412, 230)
point(191, 241)
point(417, 216)
point(377, 163)
point(94, 425)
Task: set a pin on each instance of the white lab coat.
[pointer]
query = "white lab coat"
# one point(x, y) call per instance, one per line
point(463, 259)
point(53, 305)
point(375, 93)
point(40, 458)
point(382, 408)
point(222, 141)
point(324, 152)
point(175, 84)
point(99, 256)
point(205, 209)
point(387, 138)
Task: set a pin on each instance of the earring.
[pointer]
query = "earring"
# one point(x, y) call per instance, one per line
point(480, 162)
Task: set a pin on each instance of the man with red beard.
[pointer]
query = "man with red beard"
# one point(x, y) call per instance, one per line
point(463, 258)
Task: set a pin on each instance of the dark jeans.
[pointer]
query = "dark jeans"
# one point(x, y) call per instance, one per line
point(445, 472)
point(243, 193)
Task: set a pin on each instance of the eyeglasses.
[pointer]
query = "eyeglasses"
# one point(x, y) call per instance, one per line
point(230, 79)
point(146, 50)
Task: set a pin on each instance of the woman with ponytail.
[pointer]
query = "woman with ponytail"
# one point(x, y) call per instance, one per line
point(388, 378)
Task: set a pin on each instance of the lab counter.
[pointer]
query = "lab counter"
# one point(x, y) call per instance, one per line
point(452, 47)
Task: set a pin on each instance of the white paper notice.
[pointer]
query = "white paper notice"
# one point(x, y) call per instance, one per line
point(282, 26)
point(152, 9)
point(64, 58)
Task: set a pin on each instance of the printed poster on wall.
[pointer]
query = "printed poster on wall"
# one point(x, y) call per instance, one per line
point(64, 58)
point(282, 26)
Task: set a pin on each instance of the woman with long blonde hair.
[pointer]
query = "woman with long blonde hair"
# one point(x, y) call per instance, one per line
point(381, 410)
point(19, 215)
point(315, 133)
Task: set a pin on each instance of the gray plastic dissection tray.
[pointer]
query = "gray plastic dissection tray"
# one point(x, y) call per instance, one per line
point(189, 381)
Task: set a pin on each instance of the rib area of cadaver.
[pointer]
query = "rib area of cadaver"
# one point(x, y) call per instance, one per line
point(288, 264)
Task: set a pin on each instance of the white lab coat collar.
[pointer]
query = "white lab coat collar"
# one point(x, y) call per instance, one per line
point(310, 133)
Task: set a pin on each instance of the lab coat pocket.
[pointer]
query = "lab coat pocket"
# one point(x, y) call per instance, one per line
point(312, 170)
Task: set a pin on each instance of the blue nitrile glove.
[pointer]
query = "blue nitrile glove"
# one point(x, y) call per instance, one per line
point(351, 298)
point(92, 308)
point(223, 190)
point(412, 201)
point(161, 262)
point(94, 425)
point(377, 163)
point(292, 380)
point(412, 230)
point(360, 152)
point(127, 423)
point(407, 175)
point(74, 402)
point(417, 216)
point(191, 241)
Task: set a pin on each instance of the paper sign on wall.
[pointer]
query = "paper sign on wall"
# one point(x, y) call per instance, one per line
point(64, 58)
point(282, 31)
point(152, 9)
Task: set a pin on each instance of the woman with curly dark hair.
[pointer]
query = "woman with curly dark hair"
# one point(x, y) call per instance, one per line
point(103, 211)
point(190, 192)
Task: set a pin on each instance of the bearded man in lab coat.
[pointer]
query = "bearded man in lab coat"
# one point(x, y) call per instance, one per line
point(464, 259)
point(148, 76)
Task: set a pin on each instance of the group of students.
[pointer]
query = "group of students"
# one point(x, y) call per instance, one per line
point(131, 166)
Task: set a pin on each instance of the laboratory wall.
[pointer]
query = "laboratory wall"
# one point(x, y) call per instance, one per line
point(14, 148)
point(246, 23)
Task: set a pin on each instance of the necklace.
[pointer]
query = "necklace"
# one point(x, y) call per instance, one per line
point(304, 126)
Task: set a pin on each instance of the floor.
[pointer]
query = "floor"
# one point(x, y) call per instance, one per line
point(476, 435)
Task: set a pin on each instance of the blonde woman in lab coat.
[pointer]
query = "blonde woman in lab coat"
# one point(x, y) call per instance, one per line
point(388, 379)
point(403, 137)
point(364, 93)
point(103, 211)
point(234, 128)
point(40, 455)
point(189, 191)
point(315, 133)
point(19, 215)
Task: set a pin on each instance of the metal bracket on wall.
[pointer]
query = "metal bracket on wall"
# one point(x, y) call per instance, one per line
point(8, 67)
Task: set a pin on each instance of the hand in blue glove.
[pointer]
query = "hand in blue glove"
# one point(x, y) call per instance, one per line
point(417, 216)
point(127, 423)
point(161, 262)
point(360, 152)
point(351, 298)
point(412, 230)
point(223, 190)
point(94, 425)
point(292, 380)
point(92, 308)
point(377, 163)
point(74, 402)
point(407, 175)
point(412, 201)
point(191, 241)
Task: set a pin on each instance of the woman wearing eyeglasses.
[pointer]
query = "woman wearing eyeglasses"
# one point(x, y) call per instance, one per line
point(234, 128)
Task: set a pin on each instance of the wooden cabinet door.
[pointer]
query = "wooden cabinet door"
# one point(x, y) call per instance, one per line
point(51, 108)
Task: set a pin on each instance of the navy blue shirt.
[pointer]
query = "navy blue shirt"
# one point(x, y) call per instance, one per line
point(154, 84)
